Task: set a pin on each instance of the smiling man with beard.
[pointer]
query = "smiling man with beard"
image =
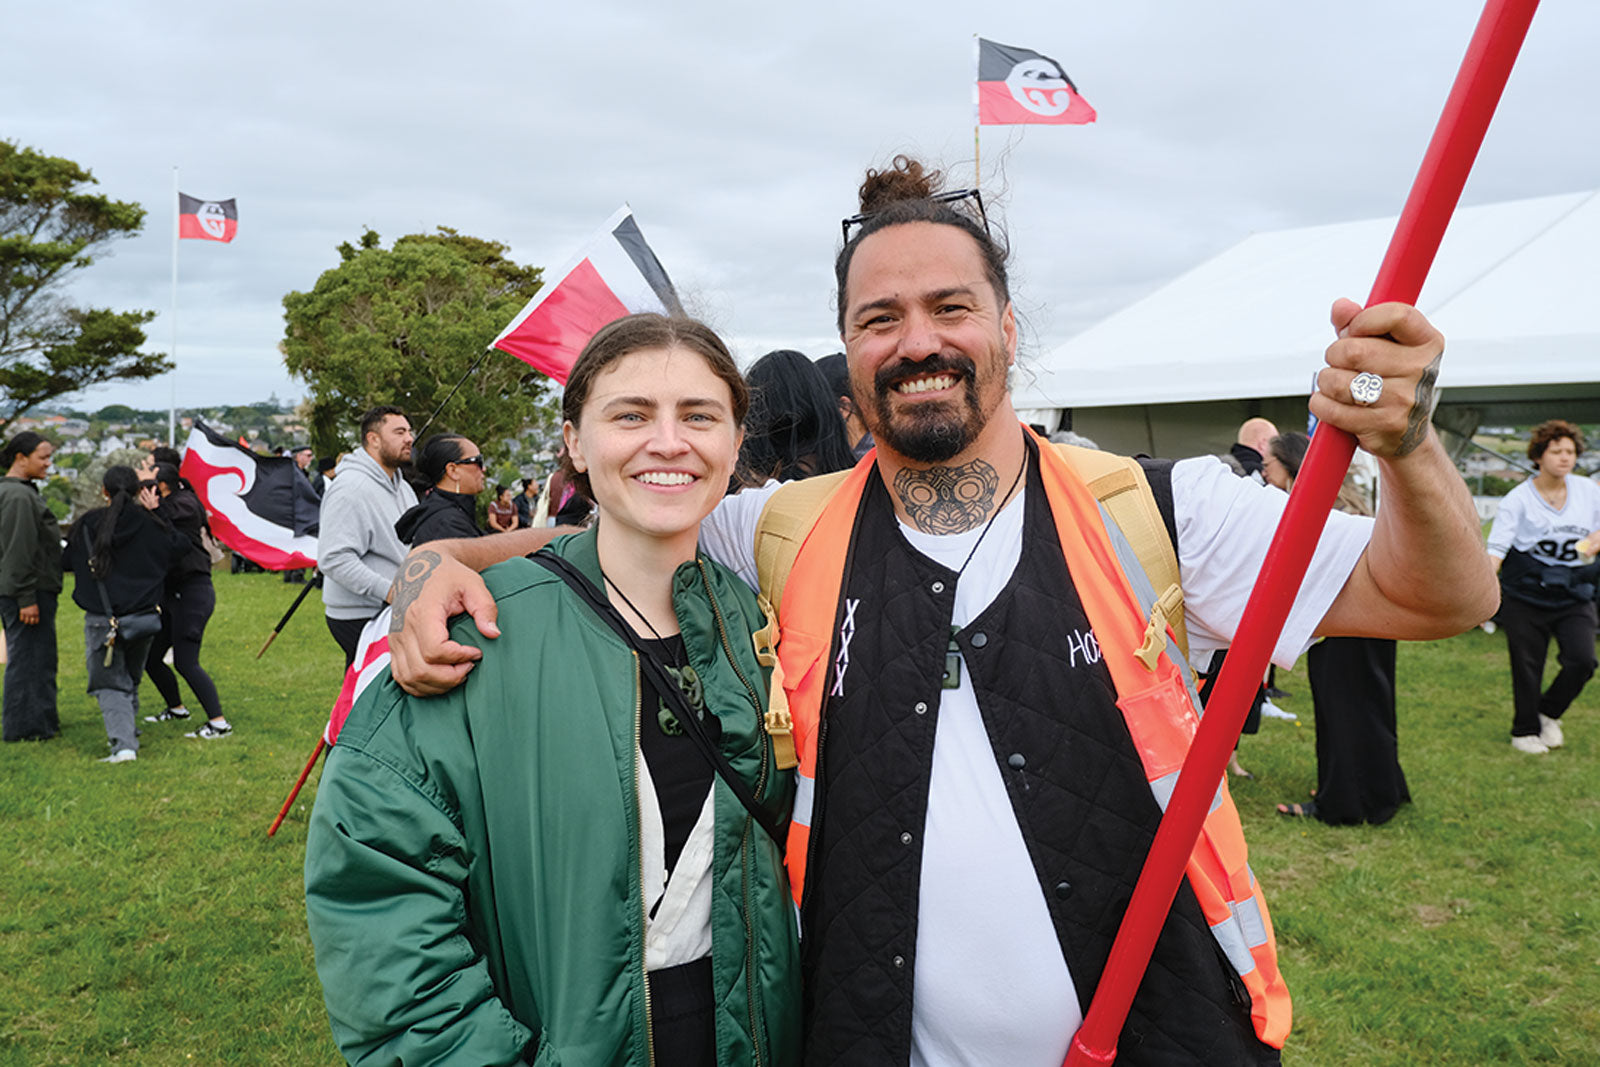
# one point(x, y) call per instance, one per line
point(983, 755)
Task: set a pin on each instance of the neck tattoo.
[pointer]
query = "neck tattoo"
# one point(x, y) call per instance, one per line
point(953, 500)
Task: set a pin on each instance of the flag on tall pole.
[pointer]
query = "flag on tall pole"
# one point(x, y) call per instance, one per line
point(614, 274)
point(1017, 85)
point(262, 507)
point(207, 220)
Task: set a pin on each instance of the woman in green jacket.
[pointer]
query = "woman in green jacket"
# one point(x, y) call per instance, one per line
point(552, 863)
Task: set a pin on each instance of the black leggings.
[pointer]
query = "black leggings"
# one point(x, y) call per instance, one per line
point(184, 615)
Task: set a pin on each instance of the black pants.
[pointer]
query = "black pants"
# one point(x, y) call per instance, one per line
point(1528, 633)
point(348, 633)
point(184, 615)
point(1358, 747)
point(683, 1023)
point(30, 697)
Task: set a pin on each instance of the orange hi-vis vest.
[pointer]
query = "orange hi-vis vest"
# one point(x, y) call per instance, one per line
point(1152, 693)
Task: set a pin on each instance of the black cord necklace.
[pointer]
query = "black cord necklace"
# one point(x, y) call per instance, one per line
point(686, 677)
point(952, 652)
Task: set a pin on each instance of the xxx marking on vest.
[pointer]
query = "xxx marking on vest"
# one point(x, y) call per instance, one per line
point(842, 661)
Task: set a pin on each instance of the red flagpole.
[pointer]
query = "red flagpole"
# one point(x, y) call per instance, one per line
point(322, 743)
point(1432, 201)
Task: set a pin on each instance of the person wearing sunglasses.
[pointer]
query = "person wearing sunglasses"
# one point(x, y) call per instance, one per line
point(453, 468)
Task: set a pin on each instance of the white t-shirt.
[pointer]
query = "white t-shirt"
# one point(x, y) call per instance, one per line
point(987, 955)
point(1529, 523)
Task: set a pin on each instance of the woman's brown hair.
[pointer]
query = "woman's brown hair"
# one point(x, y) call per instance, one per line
point(635, 333)
point(1548, 433)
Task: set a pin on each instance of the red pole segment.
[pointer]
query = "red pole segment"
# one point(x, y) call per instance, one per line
point(1434, 193)
point(304, 774)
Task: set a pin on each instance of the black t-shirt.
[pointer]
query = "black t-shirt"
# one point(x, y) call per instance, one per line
point(682, 776)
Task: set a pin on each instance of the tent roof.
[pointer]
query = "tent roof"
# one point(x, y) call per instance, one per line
point(1513, 289)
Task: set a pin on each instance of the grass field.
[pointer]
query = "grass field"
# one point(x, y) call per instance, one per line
point(146, 918)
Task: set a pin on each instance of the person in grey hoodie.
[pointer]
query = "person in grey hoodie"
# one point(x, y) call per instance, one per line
point(358, 551)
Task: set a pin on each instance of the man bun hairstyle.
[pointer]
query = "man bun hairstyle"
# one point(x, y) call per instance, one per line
point(636, 333)
point(906, 191)
point(1548, 433)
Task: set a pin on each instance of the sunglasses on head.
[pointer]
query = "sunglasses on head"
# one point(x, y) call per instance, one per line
point(476, 461)
point(954, 196)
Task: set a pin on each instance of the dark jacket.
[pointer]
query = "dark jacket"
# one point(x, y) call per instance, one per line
point(30, 544)
point(184, 513)
point(144, 550)
point(442, 514)
point(473, 862)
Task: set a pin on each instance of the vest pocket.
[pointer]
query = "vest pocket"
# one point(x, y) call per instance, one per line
point(1163, 722)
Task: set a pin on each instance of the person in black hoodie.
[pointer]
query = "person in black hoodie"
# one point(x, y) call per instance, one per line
point(453, 466)
point(186, 607)
point(121, 554)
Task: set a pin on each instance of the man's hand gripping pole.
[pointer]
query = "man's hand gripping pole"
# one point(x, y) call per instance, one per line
point(1433, 197)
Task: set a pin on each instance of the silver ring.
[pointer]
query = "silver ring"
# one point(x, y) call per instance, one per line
point(1366, 388)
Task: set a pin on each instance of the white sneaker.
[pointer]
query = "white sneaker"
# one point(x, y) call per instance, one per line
point(1530, 744)
point(1269, 710)
point(122, 755)
point(1550, 732)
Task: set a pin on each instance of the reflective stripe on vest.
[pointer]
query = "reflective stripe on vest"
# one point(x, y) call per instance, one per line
point(1155, 704)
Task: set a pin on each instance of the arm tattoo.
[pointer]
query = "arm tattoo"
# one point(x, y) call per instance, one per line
point(948, 500)
point(1421, 410)
point(408, 585)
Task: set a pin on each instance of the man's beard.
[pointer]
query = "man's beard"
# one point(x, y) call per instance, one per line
point(928, 433)
point(391, 459)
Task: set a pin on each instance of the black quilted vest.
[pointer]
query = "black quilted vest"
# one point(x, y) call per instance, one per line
point(1074, 778)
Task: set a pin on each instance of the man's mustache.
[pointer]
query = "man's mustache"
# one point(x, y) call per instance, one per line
point(890, 376)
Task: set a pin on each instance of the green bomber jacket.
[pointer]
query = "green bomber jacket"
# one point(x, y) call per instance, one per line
point(473, 863)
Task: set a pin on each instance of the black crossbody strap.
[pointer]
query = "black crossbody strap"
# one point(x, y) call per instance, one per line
point(105, 597)
point(668, 688)
point(99, 583)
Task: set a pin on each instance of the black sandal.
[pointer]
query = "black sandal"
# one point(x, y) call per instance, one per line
point(1308, 810)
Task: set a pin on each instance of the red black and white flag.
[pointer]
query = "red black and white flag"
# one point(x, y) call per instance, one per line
point(207, 220)
point(372, 660)
point(615, 274)
point(262, 507)
point(1016, 86)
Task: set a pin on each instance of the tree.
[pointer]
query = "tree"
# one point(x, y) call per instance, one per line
point(51, 227)
point(402, 326)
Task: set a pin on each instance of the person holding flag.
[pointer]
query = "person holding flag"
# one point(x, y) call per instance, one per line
point(985, 642)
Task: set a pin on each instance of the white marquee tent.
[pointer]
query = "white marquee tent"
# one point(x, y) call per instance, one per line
point(1515, 289)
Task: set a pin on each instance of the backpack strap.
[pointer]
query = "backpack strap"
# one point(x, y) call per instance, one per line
point(786, 519)
point(1125, 497)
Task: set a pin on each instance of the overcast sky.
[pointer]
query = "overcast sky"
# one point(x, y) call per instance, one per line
point(739, 133)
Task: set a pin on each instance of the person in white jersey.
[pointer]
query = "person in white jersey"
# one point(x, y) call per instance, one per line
point(975, 812)
point(1543, 544)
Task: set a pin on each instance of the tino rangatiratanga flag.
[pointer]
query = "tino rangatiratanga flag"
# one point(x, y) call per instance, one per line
point(207, 220)
point(1016, 85)
point(370, 664)
point(262, 507)
point(613, 275)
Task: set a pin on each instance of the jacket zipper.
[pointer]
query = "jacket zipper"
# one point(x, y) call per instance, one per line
point(747, 860)
point(727, 650)
point(638, 818)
